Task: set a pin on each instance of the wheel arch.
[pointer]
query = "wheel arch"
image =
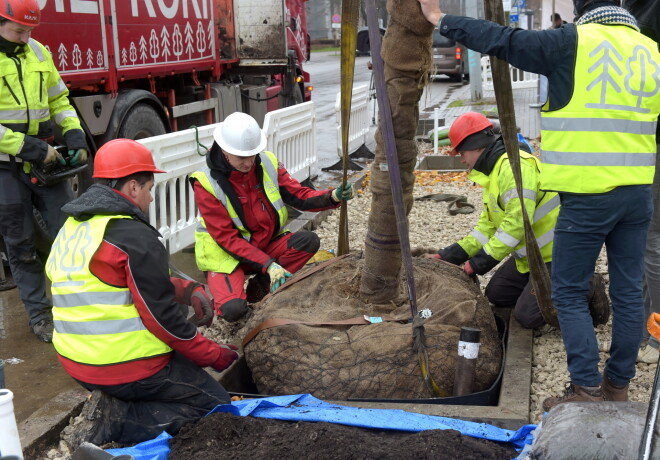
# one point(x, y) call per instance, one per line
point(126, 100)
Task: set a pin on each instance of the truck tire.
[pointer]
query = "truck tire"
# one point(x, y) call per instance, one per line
point(140, 122)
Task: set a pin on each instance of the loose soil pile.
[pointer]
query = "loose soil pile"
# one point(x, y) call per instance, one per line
point(225, 436)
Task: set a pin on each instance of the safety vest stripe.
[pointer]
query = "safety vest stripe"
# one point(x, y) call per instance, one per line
point(37, 50)
point(79, 299)
point(598, 158)
point(546, 208)
point(59, 118)
point(542, 241)
point(56, 90)
point(480, 237)
point(272, 174)
point(606, 125)
point(506, 239)
point(20, 115)
point(513, 193)
point(220, 194)
point(112, 326)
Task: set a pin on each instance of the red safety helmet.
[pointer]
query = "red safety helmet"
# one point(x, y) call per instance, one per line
point(467, 124)
point(24, 12)
point(123, 157)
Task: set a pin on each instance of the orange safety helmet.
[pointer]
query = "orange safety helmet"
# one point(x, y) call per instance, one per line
point(24, 12)
point(123, 157)
point(467, 124)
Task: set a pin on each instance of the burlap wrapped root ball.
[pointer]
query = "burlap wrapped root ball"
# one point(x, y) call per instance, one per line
point(372, 360)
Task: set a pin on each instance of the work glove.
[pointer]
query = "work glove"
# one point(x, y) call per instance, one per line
point(53, 155)
point(226, 357)
point(202, 304)
point(469, 270)
point(278, 276)
point(339, 193)
point(77, 157)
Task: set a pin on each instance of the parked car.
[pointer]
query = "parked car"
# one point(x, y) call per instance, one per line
point(363, 46)
point(449, 58)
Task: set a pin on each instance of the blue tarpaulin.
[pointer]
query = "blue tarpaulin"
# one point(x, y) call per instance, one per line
point(307, 408)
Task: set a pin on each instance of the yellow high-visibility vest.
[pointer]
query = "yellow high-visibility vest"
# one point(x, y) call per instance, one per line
point(95, 323)
point(605, 136)
point(208, 253)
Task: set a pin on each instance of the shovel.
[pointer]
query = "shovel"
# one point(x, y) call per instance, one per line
point(645, 447)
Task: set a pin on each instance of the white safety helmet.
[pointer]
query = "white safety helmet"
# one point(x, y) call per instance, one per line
point(240, 135)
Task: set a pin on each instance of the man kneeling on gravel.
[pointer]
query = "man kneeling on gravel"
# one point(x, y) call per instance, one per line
point(500, 231)
point(120, 330)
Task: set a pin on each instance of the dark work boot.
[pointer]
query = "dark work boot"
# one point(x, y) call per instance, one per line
point(613, 392)
point(89, 422)
point(599, 303)
point(233, 310)
point(575, 393)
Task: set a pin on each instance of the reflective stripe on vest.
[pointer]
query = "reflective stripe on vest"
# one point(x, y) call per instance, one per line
point(95, 323)
point(605, 136)
point(208, 254)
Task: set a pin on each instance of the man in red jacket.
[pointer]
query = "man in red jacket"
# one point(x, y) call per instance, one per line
point(241, 196)
point(119, 327)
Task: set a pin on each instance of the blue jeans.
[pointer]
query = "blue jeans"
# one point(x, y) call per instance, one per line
point(18, 196)
point(180, 393)
point(619, 219)
point(652, 260)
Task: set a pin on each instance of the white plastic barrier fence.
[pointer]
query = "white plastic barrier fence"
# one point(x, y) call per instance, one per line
point(173, 212)
point(359, 122)
point(291, 134)
point(519, 78)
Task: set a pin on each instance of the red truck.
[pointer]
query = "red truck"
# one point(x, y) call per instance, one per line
point(139, 68)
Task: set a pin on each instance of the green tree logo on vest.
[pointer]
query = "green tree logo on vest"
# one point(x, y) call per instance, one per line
point(641, 79)
point(68, 254)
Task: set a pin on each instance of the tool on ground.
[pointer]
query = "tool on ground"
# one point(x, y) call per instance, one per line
point(646, 445)
point(55, 172)
point(419, 338)
point(349, 20)
point(504, 97)
point(468, 352)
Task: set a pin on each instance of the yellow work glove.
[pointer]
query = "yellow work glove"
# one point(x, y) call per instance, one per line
point(53, 155)
point(77, 157)
point(278, 276)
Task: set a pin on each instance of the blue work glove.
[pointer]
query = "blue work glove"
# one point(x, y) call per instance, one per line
point(77, 157)
point(340, 193)
point(278, 276)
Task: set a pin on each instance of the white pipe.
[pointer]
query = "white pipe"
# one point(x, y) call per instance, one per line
point(10, 444)
point(436, 114)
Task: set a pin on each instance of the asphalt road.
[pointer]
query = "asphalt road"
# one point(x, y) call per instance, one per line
point(325, 72)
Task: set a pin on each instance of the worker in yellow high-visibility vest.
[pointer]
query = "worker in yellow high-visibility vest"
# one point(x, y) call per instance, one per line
point(120, 327)
point(598, 152)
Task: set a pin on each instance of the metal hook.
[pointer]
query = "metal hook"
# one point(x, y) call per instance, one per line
point(199, 144)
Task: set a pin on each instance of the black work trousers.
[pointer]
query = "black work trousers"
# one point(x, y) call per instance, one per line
point(179, 393)
point(510, 288)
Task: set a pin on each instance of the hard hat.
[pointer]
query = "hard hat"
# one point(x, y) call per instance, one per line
point(24, 12)
point(466, 125)
point(240, 135)
point(123, 157)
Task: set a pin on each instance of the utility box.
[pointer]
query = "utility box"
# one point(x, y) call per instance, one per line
point(254, 102)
